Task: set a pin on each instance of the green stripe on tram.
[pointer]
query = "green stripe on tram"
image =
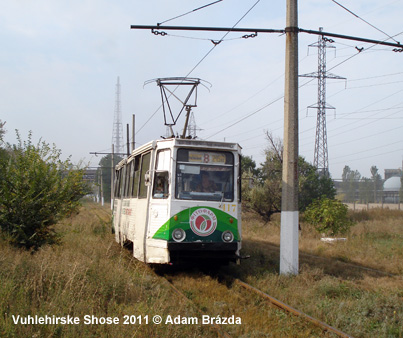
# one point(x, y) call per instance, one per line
point(182, 220)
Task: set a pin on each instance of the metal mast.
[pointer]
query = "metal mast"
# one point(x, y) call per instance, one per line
point(321, 159)
point(192, 127)
point(117, 134)
point(170, 117)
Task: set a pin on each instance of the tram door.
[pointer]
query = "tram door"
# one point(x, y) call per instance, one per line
point(140, 207)
point(160, 197)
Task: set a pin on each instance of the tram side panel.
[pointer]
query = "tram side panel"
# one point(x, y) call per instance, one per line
point(117, 205)
point(131, 203)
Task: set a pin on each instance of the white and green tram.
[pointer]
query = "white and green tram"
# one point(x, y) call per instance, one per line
point(178, 200)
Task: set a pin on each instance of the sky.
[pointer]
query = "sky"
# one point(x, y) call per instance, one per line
point(60, 61)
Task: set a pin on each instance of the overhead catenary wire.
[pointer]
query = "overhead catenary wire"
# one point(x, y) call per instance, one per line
point(304, 84)
point(202, 59)
point(371, 156)
point(365, 151)
point(229, 30)
point(358, 17)
point(267, 105)
point(192, 11)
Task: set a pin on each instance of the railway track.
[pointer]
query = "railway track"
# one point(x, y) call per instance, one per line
point(259, 309)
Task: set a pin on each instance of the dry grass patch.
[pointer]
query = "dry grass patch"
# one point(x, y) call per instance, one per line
point(347, 284)
point(88, 274)
point(259, 318)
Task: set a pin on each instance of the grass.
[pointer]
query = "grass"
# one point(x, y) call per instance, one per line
point(88, 274)
point(355, 286)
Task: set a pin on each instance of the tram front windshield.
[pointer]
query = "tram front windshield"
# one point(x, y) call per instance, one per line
point(204, 175)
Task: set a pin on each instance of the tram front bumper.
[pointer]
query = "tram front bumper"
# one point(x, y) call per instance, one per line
point(203, 250)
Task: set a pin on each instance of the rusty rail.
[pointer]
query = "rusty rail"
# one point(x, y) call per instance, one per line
point(296, 312)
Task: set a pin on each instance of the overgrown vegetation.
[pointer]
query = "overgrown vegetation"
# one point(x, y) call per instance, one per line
point(37, 190)
point(328, 216)
point(262, 186)
point(104, 174)
point(355, 286)
point(348, 285)
point(87, 275)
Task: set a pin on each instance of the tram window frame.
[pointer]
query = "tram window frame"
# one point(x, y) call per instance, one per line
point(196, 167)
point(136, 176)
point(143, 189)
point(127, 180)
point(118, 182)
point(161, 176)
point(131, 177)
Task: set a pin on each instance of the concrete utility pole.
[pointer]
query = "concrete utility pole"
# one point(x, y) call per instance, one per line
point(289, 202)
point(133, 131)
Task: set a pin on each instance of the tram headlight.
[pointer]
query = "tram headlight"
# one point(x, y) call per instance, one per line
point(227, 236)
point(178, 235)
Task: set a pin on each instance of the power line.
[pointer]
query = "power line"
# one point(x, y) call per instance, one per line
point(365, 137)
point(203, 58)
point(247, 116)
point(377, 155)
point(192, 11)
point(358, 17)
point(399, 91)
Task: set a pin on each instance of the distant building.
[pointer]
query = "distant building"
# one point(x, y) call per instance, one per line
point(392, 173)
point(90, 175)
point(392, 185)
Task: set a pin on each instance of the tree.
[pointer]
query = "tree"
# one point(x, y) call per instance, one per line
point(328, 216)
point(2, 131)
point(104, 173)
point(377, 182)
point(366, 189)
point(38, 189)
point(350, 179)
point(248, 165)
point(312, 185)
point(265, 196)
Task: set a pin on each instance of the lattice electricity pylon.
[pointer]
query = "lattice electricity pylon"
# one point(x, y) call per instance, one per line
point(192, 127)
point(117, 133)
point(189, 102)
point(321, 160)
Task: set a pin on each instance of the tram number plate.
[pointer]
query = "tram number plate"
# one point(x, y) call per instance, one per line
point(228, 207)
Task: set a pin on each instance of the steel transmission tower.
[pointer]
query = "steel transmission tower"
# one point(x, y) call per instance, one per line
point(117, 134)
point(192, 127)
point(321, 160)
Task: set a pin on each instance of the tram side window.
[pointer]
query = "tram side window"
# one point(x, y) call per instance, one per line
point(145, 166)
point(127, 180)
point(161, 183)
point(117, 183)
point(136, 176)
point(130, 180)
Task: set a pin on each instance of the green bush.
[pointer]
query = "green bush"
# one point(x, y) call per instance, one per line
point(328, 216)
point(37, 190)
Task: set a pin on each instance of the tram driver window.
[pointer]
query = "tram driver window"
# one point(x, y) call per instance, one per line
point(160, 185)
